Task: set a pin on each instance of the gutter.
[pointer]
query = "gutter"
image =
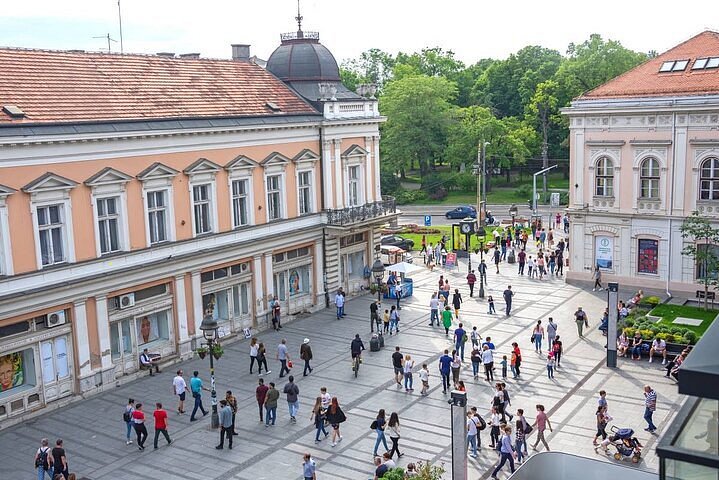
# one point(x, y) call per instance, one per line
point(671, 201)
point(322, 209)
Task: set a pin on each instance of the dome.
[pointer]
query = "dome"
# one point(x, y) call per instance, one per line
point(301, 57)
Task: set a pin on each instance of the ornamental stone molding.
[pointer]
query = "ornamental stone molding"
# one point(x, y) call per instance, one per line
point(594, 229)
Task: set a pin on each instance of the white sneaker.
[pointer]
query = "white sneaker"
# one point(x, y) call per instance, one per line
point(650, 360)
point(129, 442)
point(664, 362)
point(334, 444)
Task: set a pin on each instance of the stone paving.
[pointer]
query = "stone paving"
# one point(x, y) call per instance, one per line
point(94, 432)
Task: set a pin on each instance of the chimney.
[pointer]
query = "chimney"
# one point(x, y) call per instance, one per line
point(166, 54)
point(240, 52)
point(192, 56)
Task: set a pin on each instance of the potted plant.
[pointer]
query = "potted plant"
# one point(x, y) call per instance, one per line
point(217, 351)
point(202, 352)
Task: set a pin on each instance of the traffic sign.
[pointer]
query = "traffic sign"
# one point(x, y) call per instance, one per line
point(428, 220)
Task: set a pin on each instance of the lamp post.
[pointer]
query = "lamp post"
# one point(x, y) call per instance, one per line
point(209, 331)
point(378, 272)
point(534, 188)
point(481, 233)
point(484, 177)
point(513, 213)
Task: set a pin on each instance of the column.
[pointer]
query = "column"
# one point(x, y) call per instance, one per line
point(259, 288)
point(81, 338)
point(579, 170)
point(181, 303)
point(327, 169)
point(103, 331)
point(319, 261)
point(680, 167)
point(197, 301)
point(270, 288)
point(339, 176)
point(369, 177)
point(375, 165)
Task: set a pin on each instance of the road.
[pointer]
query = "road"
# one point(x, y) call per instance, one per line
point(416, 213)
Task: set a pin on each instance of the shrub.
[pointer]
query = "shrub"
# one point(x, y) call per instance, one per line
point(629, 332)
point(629, 322)
point(640, 319)
point(410, 196)
point(675, 330)
point(690, 337)
point(438, 194)
point(646, 333)
point(653, 301)
point(524, 191)
point(654, 329)
point(564, 198)
point(466, 182)
point(394, 474)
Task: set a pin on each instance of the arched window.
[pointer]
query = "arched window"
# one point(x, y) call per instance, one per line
point(604, 178)
point(709, 179)
point(649, 178)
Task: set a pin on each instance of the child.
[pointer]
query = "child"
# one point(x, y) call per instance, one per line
point(504, 367)
point(550, 365)
point(385, 320)
point(490, 301)
point(424, 376)
point(530, 266)
point(461, 387)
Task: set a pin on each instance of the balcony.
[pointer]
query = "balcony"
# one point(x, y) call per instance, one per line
point(350, 215)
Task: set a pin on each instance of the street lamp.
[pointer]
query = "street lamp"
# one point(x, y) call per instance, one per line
point(378, 272)
point(481, 233)
point(209, 331)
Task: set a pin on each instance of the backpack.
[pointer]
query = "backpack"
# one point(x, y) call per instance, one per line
point(482, 424)
point(41, 461)
point(373, 425)
point(126, 417)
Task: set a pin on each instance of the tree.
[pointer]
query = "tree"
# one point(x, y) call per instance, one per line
point(417, 109)
point(373, 66)
point(704, 249)
point(543, 109)
point(350, 78)
point(433, 62)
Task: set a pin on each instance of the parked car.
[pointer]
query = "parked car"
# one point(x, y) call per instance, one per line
point(398, 241)
point(390, 255)
point(461, 212)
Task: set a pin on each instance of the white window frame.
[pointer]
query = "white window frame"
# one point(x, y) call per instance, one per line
point(103, 192)
point(650, 178)
point(106, 219)
point(249, 197)
point(360, 185)
point(210, 202)
point(152, 187)
point(311, 207)
point(709, 158)
point(604, 175)
point(66, 230)
point(6, 267)
point(282, 194)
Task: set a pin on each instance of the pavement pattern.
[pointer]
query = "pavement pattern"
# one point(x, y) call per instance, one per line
point(94, 433)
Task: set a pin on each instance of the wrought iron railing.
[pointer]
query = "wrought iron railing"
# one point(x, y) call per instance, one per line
point(349, 215)
point(299, 35)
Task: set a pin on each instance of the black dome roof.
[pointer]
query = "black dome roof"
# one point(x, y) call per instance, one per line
point(300, 57)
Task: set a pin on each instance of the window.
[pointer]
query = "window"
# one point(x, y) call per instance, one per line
point(157, 216)
point(108, 224)
point(52, 235)
point(649, 178)
point(708, 261)
point(674, 66)
point(304, 182)
point(217, 304)
point(705, 63)
point(274, 205)
point(354, 186)
point(240, 202)
point(605, 178)
point(241, 298)
point(201, 207)
point(152, 327)
point(355, 265)
point(709, 179)
point(648, 256)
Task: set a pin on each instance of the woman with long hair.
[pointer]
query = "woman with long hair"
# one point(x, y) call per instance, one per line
point(379, 426)
point(393, 425)
point(262, 358)
point(253, 352)
point(318, 415)
point(335, 416)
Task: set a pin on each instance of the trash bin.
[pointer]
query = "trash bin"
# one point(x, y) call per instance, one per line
point(374, 344)
point(510, 257)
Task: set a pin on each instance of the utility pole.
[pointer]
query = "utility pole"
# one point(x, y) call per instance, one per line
point(119, 15)
point(484, 175)
point(534, 187)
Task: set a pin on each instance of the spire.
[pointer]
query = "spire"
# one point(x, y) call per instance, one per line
point(299, 21)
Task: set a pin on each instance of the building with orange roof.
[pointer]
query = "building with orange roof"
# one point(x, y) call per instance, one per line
point(644, 155)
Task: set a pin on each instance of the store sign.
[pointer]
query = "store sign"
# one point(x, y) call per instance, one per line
point(604, 252)
point(648, 256)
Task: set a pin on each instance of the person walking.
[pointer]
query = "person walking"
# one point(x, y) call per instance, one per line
point(433, 310)
point(519, 439)
point(292, 391)
point(602, 421)
point(445, 362)
point(60, 465)
point(506, 401)
point(196, 388)
point(446, 320)
point(335, 417)
point(254, 346)
point(476, 359)
point(275, 309)
point(127, 417)
point(472, 434)
point(580, 317)
point(232, 402)
point(393, 319)
point(456, 367)
point(306, 355)
point(542, 424)
point(379, 425)
point(471, 280)
point(460, 338)
point(551, 332)
point(160, 416)
point(397, 360)
point(597, 276)
point(374, 316)
point(550, 365)
point(557, 350)
point(508, 294)
point(526, 429)
point(385, 320)
point(179, 388)
point(497, 257)
point(270, 403)
point(538, 336)
point(475, 337)
point(456, 302)
point(260, 394)
point(283, 356)
point(398, 293)
point(408, 380)
point(424, 378)
point(488, 362)
point(138, 421)
point(495, 421)
point(518, 357)
point(394, 436)
point(506, 452)
point(318, 416)
point(522, 260)
point(262, 359)
point(43, 460)
point(490, 305)
point(340, 304)
point(482, 269)
point(650, 406)
point(225, 425)
point(308, 467)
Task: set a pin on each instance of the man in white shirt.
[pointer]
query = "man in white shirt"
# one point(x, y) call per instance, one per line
point(147, 361)
point(659, 347)
point(433, 309)
point(488, 362)
point(340, 304)
point(179, 387)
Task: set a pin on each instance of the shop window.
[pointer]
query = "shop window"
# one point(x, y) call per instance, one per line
point(291, 254)
point(707, 261)
point(150, 292)
point(355, 265)
point(217, 305)
point(214, 274)
point(355, 239)
point(299, 281)
point(240, 268)
point(17, 370)
point(55, 361)
point(152, 328)
point(648, 256)
point(121, 338)
point(241, 298)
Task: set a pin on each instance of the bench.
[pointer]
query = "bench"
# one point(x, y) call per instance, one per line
point(673, 349)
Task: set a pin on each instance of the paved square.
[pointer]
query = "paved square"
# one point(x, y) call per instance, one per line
point(93, 429)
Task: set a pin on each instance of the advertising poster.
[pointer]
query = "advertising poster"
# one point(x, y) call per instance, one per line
point(147, 329)
point(604, 252)
point(648, 260)
point(11, 371)
point(451, 260)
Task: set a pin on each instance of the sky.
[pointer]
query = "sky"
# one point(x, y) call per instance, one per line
point(473, 29)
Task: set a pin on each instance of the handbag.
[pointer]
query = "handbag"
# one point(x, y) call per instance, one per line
point(289, 363)
point(527, 429)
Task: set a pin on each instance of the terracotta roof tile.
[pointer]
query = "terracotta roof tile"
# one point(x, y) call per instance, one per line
point(61, 86)
point(646, 80)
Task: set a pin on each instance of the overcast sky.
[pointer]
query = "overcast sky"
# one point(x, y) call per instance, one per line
point(473, 29)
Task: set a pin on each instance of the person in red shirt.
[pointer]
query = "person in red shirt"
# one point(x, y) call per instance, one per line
point(138, 421)
point(260, 393)
point(518, 357)
point(160, 424)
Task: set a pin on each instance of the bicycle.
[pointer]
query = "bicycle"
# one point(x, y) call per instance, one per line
point(356, 364)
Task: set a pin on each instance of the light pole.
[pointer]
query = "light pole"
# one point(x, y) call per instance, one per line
point(209, 331)
point(378, 272)
point(484, 176)
point(481, 233)
point(534, 188)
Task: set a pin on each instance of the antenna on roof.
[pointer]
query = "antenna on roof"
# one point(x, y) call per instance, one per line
point(119, 15)
point(108, 41)
point(299, 18)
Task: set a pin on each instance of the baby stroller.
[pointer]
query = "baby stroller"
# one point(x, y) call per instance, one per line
point(626, 443)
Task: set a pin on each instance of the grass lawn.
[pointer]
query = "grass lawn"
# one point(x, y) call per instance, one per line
point(454, 199)
point(446, 230)
point(670, 312)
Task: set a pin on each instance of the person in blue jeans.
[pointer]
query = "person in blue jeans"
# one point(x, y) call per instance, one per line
point(270, 403)
point(128, 419)
point(459, 334)
point(506, 451)
point(445, 362)
point(381, 424)
point(196, 388)
point(43, 460)
point(434, 310)
point(340, 304)
point(408, 380)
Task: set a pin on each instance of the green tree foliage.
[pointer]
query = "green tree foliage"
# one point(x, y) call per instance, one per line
point(417, 109)
point(432, 62)
point(372, 66)
point(704, 238)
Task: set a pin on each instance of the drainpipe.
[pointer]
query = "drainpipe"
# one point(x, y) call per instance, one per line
point(322, 208)
point(671, 199)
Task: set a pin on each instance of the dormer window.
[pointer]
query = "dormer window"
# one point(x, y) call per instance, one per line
point(673, 66)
